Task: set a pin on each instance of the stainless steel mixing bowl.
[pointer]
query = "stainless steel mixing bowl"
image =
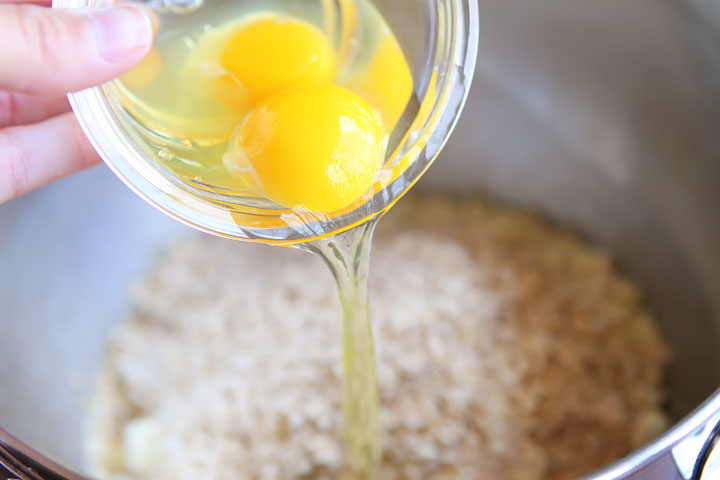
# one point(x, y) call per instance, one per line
point(605, 114)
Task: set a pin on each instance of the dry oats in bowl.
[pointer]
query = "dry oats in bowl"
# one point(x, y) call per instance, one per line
point(508, 348)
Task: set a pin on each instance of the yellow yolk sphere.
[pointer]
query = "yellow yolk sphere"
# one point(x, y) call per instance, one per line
point(313, 146)
point(386, 80)
point(275, 53)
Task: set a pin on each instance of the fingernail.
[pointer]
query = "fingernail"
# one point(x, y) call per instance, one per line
point(121, 31)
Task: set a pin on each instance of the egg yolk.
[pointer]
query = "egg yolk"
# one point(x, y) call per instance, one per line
point(275, 53)
point(314, 146)
point(386, 80)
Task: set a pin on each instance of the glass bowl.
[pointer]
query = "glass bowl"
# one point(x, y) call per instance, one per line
point(439, 39)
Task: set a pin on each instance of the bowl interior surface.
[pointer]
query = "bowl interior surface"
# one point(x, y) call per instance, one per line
point(603, 115)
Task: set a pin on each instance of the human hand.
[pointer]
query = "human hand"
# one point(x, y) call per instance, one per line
point(44, 54)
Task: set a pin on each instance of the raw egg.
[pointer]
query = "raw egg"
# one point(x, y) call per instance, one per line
point(386, 80)
point(317, 147)
point(274, 53)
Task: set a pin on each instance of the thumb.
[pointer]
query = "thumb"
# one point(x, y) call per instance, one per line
point(55, 51)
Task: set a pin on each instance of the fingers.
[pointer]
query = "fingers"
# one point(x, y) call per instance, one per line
point(22, 109)
point(53, 51)
point(33, 155)
point(45, 3)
